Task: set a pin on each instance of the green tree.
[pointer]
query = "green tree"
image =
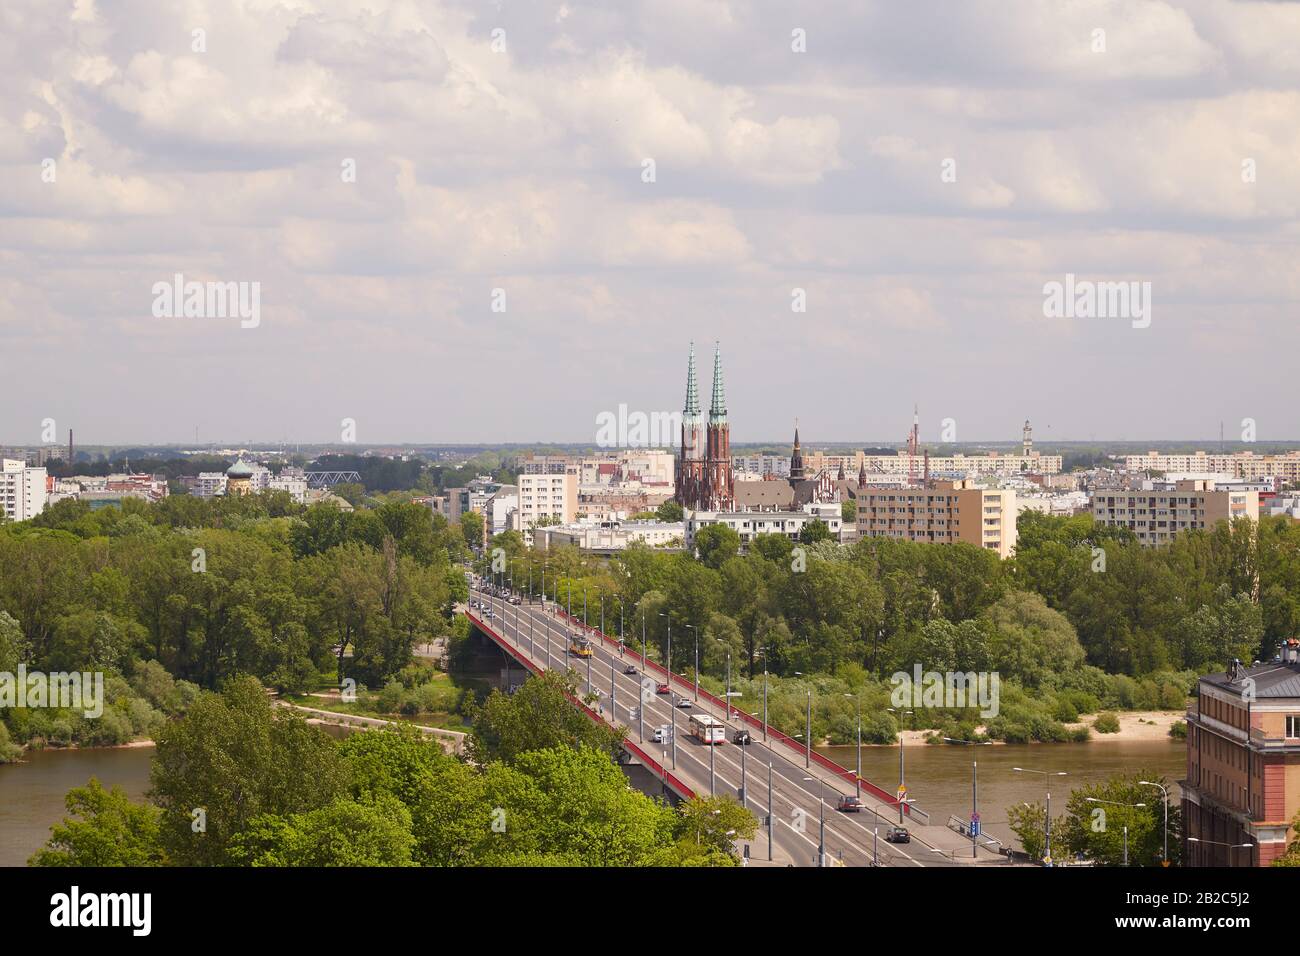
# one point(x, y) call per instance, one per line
point(716, 543)
point(344, 833)
point(111, 831)
point(538, 715)
point(234, 759)
point(670, 511)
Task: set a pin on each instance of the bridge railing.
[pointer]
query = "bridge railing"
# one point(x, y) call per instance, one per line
point(662, 772)
point(848, 776)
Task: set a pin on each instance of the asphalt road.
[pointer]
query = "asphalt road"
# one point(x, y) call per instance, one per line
point(798, 802)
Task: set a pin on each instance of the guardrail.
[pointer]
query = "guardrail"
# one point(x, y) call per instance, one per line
point(662, 772)
point(846, 775)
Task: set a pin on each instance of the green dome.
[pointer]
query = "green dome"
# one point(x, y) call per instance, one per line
point(239, 470)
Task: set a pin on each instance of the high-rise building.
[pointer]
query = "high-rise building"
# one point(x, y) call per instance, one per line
point(941, 512)
point(22, 490)
point(704, 477)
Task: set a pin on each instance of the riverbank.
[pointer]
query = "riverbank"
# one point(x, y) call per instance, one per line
point(1134, 725)
point(27, 748)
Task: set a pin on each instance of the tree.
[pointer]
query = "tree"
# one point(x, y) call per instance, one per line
point(716, 543)
point(716, 822)
point(1029, 641)
point(112, 831)
point(233, 759)
point(670, 511)
point(345, 833)
point(538, 715)
point(1097, 829)
point(814, 531)
point(1028, 822)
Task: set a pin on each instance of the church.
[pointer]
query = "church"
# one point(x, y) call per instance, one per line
point(705, 481)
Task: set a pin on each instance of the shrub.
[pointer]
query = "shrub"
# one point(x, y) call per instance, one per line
point(1106, 723)
point(1178, 730)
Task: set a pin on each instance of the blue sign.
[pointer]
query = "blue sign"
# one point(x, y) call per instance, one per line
point(975, 824)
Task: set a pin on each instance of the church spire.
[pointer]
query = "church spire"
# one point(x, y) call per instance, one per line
point(796, 456)
point(692, 390)
point(718, 408)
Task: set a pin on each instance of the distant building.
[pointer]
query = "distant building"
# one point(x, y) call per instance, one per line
point(749, 524)
point(611, 536)
point(1243, 764)
point(22, 490)
point(210, 484)
point(1163, 509)
point(550, 497)
point(943, 512)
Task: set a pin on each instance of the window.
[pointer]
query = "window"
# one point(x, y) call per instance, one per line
point(1293, 725)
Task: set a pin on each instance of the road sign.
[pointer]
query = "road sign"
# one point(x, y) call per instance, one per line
point(975, 824)
point(902, 794)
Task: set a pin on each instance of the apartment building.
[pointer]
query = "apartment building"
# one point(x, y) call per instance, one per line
point(1160, 510)
point(1244, 464)
point(548, 496)
point(22, 490)
point(607, 537)
point(1242, 791)
point(749, 524)
point(943, 512)
point(992, 464)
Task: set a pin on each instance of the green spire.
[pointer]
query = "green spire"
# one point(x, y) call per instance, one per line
point(718, 410)
point(692, 390)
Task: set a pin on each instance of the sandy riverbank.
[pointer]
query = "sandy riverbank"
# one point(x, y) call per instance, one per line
point(1133, 725)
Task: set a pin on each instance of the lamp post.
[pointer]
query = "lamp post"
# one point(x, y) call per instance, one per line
point(857, 780)
point(668, 663)
point(697, 660)
point(902, 784)
point(1164, 794)
point(1230, 846)
point(769, 811)
point(1047, 820)
point(763, 651)
point(974, 793)
point(807, 756)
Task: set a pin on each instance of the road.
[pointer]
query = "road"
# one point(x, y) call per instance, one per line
point(801, 796)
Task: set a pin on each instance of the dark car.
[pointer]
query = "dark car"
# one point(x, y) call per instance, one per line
point(898, 835)
point(848, 804)
point(630, 669)
point(742, 737)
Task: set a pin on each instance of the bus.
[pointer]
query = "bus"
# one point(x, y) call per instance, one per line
point(579, 646)
point(707, 729)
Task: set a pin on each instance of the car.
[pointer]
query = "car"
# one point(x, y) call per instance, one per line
point(684, 703)
point(661, 689)
point(630, 669)
point(489, 613)
point(742, 737)
point(660, 735)
point(898, 835)
point(516, 600)
point(848, 804)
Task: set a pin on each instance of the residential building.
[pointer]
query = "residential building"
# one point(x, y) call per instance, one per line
point(749, 524)
point(1160, 510)
point(610, 536)
point(942, 512)
point(1243, 764)
point(1244, 464)
point(22, 490)
point(549, 497)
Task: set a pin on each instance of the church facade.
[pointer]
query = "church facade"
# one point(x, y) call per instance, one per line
point(704, 477)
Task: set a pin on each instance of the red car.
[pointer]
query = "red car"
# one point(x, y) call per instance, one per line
point(661, 689)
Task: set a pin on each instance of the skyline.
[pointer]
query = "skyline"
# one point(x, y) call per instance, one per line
point(378, 183)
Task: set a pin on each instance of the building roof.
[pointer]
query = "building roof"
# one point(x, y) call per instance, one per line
point(763, 494)
point(1272, 680)
point(239, 469)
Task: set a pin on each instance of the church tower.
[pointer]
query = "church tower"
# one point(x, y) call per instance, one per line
point(796, 458)
point(691, 471)
point(720, 491)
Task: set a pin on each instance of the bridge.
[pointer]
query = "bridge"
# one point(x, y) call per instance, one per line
point(794, 792)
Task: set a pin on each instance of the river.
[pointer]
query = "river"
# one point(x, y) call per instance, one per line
point(938, 778)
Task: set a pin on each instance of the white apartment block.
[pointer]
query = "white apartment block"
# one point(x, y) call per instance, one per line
point(22, 490)
point(210, 484)
point(994, 464)
point(550, 496)
point(611, 536)
point(293, 481)
point(749, 524)
point(1157, 513)
point(1245, 464)
point(944, 512)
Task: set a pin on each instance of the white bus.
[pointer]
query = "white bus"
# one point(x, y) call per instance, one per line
point(707, 729)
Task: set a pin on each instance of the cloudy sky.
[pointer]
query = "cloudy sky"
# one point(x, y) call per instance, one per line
point(920, 169)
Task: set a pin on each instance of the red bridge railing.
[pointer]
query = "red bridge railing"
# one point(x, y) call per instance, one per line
point(848, 776)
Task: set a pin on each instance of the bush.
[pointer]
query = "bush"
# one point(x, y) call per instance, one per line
point(390, 699)
point(1178, 730)
point(1106, 723)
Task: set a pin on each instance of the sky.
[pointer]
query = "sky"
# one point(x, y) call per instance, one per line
point(492, 222)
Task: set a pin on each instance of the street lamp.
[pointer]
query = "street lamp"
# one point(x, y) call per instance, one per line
point(1230, 846)
point(697, 660)
point(807, 758)
point(1047, 820)
point(857, 779)
point(1164, 794)
point(668, 662)
point(974, 793)
point(902, 783)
